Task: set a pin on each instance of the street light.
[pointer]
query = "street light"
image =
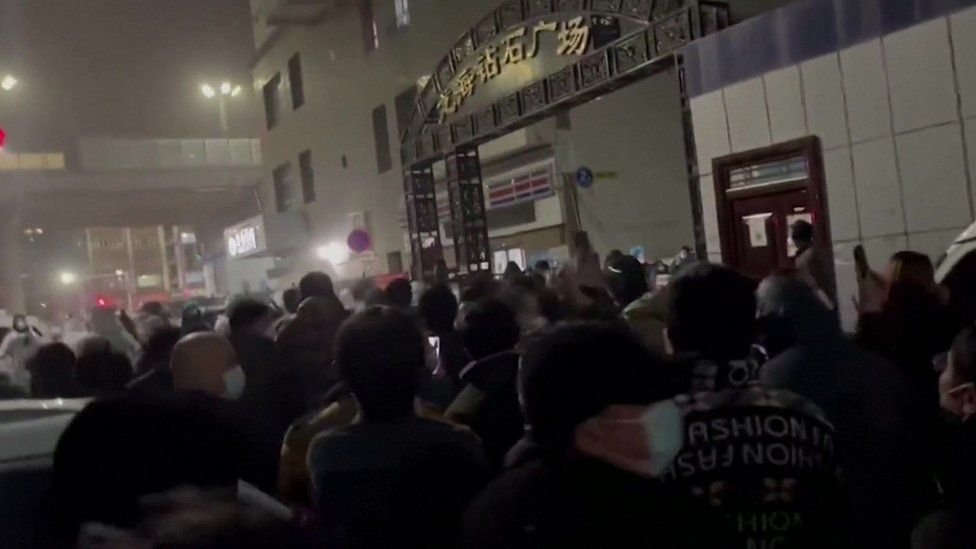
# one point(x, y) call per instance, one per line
point(8, 82)
point(68, 278)
point(334, 252)
point(226, 90)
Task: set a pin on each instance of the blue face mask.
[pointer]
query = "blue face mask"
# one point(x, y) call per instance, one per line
point(234, 381)
point(665, 428)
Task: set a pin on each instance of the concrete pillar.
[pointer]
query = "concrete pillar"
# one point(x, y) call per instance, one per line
point(12, 296)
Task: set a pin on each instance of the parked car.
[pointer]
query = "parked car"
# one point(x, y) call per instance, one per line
point(961, 247)
point(29, 432)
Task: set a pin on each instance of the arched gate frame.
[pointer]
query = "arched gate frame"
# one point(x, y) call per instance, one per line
point(575, 50)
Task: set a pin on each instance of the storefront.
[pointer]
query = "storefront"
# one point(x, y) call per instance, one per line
point(520, 66)
point(259, 252)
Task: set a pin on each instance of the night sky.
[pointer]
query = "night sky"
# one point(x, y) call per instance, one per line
point(121, 68)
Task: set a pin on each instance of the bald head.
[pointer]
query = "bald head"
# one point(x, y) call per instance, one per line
point(199, 361)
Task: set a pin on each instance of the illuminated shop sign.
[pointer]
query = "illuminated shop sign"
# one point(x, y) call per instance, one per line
point(244, 240)
point(522, 44)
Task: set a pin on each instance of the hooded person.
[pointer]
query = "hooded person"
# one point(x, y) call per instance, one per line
point(860, 394)
point(727, 412)
point(52, 371)
point(155, 378)
point(488, 401)
point(555, 495)
point(106, 324)
point(17, 348)
point(117, 451)
point(628, 280)
point(306, 344)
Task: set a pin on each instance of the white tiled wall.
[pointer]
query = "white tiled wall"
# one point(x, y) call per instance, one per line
point(745, 104)
point(711, 129)
point(824, 100)
point(866, 91)
point(933, 177)
point(970, 124)
point(963, 28)
point(841, 195)
point(876, 179)
point(897, 120)
point(785, 100)
point(920, 74)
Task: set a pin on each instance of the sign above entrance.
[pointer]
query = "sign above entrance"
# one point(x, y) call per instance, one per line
point(515, 48)
point(529, 58)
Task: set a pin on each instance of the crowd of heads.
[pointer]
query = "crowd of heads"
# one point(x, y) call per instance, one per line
point(538, 370)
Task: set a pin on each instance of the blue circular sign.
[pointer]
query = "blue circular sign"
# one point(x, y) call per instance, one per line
point(584, 177)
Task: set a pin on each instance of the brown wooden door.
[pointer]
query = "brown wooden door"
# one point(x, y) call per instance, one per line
point(760, 194)
point(761, 227)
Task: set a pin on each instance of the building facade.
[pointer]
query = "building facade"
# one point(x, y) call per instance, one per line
point(863, 128)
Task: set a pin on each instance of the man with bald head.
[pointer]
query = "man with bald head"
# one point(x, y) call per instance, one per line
point(116, 451)
point(206, 362)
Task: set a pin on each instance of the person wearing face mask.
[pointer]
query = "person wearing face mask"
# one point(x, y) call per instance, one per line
point(205, 362)
point(118, 450)
point(206, 365)
point(576, 482)
point(16, 349)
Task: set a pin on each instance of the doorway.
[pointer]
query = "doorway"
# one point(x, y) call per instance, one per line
point(760, 194)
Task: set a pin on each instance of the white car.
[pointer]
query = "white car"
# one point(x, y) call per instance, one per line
point(29, 433)
point(961, 247)
point(29, 429)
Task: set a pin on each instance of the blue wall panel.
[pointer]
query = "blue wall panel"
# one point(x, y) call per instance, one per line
point(799, 32)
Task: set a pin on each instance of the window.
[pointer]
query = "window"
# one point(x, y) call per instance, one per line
point(283, 187)
point(295, 81)
point(371, 36)
point(272, 102)
point(394, 262)
point(307, 175)
point(405, 103)
point(402, 13)
point(381, 134)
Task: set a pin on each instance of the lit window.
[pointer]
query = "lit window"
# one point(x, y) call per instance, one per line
point(402, 13)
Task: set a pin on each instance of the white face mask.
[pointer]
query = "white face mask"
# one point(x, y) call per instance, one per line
point(234, 381)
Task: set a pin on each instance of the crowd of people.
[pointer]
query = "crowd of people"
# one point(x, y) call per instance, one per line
point(578, 408)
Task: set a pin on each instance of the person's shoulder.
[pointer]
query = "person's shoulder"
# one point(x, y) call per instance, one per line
point(336, 415)
point(445, 429)
point(749, 399)
point(507, 493)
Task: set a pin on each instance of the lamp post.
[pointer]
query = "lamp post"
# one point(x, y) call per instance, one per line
point(221, 93)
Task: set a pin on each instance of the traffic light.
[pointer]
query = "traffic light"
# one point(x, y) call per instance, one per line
point(3, 138)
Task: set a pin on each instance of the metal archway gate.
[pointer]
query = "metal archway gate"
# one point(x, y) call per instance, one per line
point(523, 62)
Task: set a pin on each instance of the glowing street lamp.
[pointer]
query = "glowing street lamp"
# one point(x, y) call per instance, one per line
point(334, 252)
point(68, 278)
point(8, 82)
point(225, 89)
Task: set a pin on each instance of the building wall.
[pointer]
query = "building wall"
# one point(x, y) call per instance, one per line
point(646, 204)
point(897, 118)
point(343, 84)
point(645, 201)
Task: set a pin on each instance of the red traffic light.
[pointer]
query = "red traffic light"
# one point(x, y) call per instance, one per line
point(3, 138)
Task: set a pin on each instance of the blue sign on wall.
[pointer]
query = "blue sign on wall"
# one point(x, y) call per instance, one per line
point(584, 177)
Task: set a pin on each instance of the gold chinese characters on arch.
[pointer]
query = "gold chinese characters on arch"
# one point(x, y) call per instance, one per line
point(515, 47)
